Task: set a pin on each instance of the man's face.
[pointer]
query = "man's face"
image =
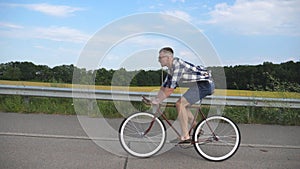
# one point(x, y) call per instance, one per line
point(163, 59)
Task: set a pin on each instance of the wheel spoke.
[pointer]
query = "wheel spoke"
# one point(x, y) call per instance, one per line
point(132, 132)
point(220, 140)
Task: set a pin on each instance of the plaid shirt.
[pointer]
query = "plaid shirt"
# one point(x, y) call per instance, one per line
point(187, 72)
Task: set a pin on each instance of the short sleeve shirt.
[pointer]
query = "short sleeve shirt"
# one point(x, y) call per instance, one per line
point(185, 71)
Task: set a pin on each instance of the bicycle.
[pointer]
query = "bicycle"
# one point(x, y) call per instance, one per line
point(143, 134)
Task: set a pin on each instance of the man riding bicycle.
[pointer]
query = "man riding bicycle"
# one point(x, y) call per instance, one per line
point(199, 80)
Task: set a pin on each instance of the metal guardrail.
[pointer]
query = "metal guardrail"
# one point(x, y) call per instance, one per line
point(136, 96)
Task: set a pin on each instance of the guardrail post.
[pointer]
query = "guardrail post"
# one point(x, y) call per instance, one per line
point(90, 107)
point(219, 110)
point(250, 114)
point(26, 100)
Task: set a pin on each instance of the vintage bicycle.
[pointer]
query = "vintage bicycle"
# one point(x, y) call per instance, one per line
point(143, 134)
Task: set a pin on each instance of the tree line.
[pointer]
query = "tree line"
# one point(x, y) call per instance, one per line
point(264, 77)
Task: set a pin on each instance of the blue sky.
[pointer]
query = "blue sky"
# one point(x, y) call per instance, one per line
point(242, 32)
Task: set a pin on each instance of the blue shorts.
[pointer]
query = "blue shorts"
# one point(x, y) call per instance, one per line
point(198, 90)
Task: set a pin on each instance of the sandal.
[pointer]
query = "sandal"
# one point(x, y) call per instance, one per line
point(187, 141)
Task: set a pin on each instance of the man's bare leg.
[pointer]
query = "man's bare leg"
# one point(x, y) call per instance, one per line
point(192, 121)
point(184, 116)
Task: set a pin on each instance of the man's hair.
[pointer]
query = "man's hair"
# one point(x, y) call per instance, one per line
point(166, 50)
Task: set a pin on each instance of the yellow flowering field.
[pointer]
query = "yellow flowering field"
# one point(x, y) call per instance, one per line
point(219, 92)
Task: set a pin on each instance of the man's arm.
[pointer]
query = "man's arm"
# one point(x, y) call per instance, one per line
point(163, 93)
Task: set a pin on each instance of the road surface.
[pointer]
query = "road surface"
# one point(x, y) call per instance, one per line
point(39, 141)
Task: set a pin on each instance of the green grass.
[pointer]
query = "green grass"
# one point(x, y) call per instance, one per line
point(107, 109)
point(23, 104)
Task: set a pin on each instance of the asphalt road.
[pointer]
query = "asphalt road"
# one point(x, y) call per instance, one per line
point(38, 141)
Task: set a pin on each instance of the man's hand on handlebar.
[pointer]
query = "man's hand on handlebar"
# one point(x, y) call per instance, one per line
point(153, 101)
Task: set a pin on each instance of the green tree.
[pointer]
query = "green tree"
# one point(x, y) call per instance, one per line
point(63, 73)
point(12, 73)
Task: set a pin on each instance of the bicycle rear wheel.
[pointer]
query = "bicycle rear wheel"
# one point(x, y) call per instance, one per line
point(217, 138)
point(135, 138)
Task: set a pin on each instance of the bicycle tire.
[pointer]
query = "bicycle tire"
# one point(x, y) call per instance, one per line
point(220, 144)
point(133, 140)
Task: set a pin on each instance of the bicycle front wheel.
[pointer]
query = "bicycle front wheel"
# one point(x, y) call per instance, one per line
point(142, 134)
point(216, 138)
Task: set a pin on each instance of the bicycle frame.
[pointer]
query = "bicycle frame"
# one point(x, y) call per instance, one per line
point(159, 113)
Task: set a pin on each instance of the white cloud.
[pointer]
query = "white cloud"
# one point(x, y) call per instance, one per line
point(61, 34)
point(180, 14)
point(258, 17)
point(53, 10)
point(53, 33)
point(10, 25)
